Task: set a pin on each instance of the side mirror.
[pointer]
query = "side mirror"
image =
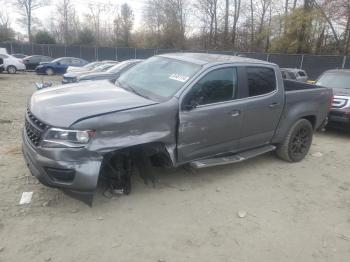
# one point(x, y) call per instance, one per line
point(58, 63)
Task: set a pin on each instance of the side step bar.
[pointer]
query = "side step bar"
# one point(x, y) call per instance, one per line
point(229, 159)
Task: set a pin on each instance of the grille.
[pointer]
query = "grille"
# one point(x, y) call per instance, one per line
point(34, 128)
point(339, 102)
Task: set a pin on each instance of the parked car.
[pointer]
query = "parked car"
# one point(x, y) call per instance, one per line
point(12, 64)
point(31, 62)
point(294, 74)
point(339, 81)
point(59, 65)
point(72, 77)
point(19, 56)
point(3, 51)
point(88, 67)
point(175, 109)
point(1, 65)
point(112, 73)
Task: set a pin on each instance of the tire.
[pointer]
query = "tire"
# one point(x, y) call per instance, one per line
point(297, 143)
point(49, 71)
point(11, 69)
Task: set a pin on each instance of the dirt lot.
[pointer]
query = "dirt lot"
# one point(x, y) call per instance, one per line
point(294, 212)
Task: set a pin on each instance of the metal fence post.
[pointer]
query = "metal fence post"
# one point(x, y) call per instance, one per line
point(11, 49)
point(116, 54)
point(302, 61)
point(344, 61)
point(268, 57)
point(135, 54)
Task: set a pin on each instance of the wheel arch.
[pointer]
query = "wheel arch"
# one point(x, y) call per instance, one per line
point(312, 119)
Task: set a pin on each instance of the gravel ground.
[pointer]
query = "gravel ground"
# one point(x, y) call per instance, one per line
point(260, 210)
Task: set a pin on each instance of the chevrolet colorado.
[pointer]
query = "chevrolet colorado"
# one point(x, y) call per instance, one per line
point(175, 109)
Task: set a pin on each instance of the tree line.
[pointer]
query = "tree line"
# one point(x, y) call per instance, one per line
point(283, 26)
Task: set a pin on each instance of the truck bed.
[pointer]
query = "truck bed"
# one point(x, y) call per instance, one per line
point(303, 100)
point(290, 85)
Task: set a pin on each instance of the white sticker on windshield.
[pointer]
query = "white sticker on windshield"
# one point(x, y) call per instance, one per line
point(179, 78)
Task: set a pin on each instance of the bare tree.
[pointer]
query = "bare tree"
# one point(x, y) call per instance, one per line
point(166, 21)
point(26, 9)
point(295, 4)
point(227, 10)
point(209, 10)
point(153, 17)
point(68, 24)
point(252, 23)
point(123, 25)
point(236, 15)
point(96, 11)
point(6, 32)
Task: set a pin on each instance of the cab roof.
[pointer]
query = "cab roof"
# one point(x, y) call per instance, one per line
point(345, 71)
point(212, 59)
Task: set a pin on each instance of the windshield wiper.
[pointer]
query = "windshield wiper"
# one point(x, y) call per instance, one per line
point(127, 87)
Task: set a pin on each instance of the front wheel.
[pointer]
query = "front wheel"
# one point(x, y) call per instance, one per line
point(49, 71)
point(297, 143)
point(11, 69)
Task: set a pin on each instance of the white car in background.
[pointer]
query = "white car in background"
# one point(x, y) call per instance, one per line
point(12, 64)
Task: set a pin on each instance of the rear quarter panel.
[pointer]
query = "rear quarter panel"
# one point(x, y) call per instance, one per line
point(300, 104)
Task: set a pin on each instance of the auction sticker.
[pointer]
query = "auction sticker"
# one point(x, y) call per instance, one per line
point(178, 77)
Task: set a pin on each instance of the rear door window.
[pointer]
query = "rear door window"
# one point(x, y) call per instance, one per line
point(35, 59)
point(76, 62)
point(65, 61)
point(261, 80)
point(292, 75)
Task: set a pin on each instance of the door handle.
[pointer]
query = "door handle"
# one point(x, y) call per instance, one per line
point(274, 105)
point(235, 113)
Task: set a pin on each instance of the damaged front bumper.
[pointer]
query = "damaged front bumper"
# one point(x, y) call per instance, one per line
point(75, 171)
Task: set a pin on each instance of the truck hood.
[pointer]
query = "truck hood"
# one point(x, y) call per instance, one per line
point(64, 105)
point(341, 92)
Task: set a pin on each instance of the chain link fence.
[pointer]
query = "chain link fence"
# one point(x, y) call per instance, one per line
point(314, 65)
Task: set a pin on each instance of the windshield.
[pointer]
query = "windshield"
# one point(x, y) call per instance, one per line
point(56, 60)
point(158, 77)
point(335, 80)
point(102, 68)
point(118, 67)
point(91, 65)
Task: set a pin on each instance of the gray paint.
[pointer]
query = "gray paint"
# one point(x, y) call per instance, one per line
point(123, 119)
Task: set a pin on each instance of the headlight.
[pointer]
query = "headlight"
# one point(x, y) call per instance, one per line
point(67, 138)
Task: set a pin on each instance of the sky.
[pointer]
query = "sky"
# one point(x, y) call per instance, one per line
point(81, 6)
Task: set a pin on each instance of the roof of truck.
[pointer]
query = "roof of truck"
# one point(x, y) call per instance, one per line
point(292, 69)
point(346, 71)
point(204, 59)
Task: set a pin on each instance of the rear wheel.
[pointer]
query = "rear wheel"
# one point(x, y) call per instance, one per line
point(297, 143)
point(11, 69)
point(49, 71)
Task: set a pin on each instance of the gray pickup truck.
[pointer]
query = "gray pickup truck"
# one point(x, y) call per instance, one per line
point(177, 109)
